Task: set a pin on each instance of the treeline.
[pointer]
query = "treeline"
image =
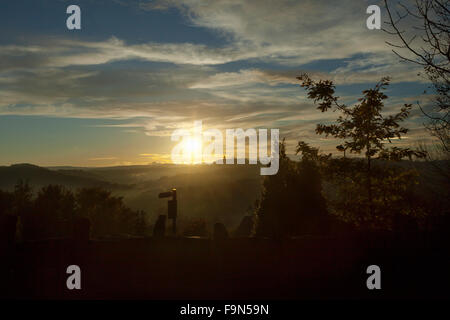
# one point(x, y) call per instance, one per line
point(329, 196)
point(54, 210)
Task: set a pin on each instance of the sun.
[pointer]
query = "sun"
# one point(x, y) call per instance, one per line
point(192, 145)
point(192, 150)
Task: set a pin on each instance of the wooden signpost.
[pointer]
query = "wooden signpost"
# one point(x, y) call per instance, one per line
point(171, 207)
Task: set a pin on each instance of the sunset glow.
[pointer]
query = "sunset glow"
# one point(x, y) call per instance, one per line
point(192, 148)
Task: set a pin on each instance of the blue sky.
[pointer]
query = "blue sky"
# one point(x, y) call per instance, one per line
point(112, 92)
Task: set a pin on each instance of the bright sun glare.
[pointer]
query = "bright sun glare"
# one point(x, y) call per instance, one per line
point(192, 148)
point(192, 145)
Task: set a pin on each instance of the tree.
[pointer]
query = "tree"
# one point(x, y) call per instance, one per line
point(141, 226)
point(23, 209)
point(6, 202)
point(54, 211)
point(23, 195)
point(102, 209)
point(107, 213)
point(423, 31)
point(292, 203)
point(363, 129)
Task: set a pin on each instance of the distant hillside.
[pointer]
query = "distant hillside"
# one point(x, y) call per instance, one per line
point(211, 192)
point(38, 176)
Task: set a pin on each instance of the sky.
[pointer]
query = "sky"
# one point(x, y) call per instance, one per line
point(113, 92)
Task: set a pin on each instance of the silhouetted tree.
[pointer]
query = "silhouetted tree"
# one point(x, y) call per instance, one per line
point(364, 188)
point(159, 229)
point(220, 232)
point(141, 227)
point(423, 34)
point(245, 228)
point(107, 213)
point(54, 211)
point(291, 203)
point(23, 209)
point(23, 194)
point(6, 219)
point(6, 203)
